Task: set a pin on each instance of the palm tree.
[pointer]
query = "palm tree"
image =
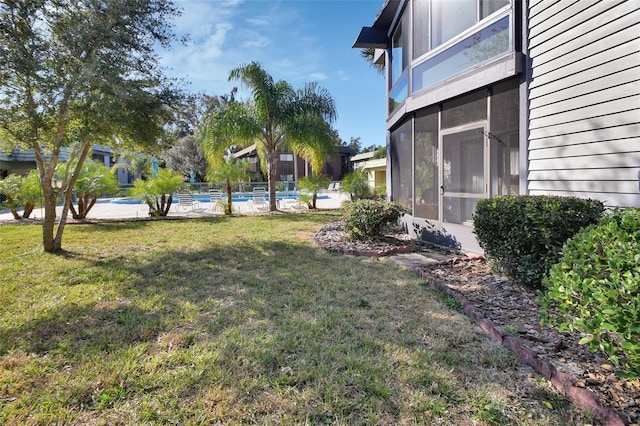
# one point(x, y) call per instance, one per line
point(158, 191)
point(276, 112)
point(369, 54)
point(21, 192)
point(138, 164)
point(313, 183)
point(94, 179)
point(229, 171)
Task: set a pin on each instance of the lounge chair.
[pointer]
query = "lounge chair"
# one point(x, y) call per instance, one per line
point(215, 197)
point(186, 203)
point(259, 199)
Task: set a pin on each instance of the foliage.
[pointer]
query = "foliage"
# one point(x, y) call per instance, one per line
point(94, 180)
point(354, 143)
point(136, 163)
point(379, 152)
point(313, 183)
point(158, 191)
point(21, 192)
point(193, 110)
point(369, 219)
point(185, 156)
point(228, 172)
point(523, 235)
point(369, 54)
point(81, 72)
point(595, 288)
point(276, 115)
point(357, 184)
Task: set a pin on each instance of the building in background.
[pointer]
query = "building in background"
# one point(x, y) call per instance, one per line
point(292, 167)
point(21, 162)
point(375, 168)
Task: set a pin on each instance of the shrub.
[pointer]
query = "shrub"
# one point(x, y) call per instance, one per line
point(368, 219)
point(357, 184)
point(595, 288)
point(523, 235)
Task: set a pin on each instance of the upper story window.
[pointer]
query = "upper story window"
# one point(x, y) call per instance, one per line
point(438, 39)
point(487, 43)
point(399, 50)
point(450, 18)
point(286, 157)
point(437, 21)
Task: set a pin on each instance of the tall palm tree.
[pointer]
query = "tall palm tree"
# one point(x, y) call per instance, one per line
point(275, 113)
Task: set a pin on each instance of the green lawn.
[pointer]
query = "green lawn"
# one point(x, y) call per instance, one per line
point(237, 320)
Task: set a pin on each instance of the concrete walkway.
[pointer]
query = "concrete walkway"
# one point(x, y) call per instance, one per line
point(111, 209)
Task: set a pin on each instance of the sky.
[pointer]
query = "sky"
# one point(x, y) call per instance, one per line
point(299, 41)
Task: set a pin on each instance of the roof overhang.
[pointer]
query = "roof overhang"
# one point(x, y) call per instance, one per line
point(370, 37)
point(248, 151)
point(375, 36)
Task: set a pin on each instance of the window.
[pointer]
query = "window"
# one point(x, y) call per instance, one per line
point(401, 186)
point(450, 18)
point(487, 43)
point(421, 39)
point(399, 94)
point(437, 21)
point(399, 77)
point(426, 164)
point(399, 50)
point(487, 7)
point(286, 157)
point(465, 109)
point(504, 138)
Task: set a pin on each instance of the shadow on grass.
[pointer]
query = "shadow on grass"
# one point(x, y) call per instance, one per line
point(275, 318)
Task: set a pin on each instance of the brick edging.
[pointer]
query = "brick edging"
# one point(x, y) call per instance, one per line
point(563, 382)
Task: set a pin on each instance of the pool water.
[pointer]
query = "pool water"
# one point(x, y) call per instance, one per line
point(236, 197)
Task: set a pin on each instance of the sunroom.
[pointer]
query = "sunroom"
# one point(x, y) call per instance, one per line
point(454, 85)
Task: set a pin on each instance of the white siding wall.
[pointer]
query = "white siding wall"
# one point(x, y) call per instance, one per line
point(584, 99)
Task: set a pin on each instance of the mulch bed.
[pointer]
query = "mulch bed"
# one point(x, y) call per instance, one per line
point(498, 304)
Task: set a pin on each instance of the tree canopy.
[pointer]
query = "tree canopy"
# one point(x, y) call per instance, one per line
point(75, 73)
point(275, 115)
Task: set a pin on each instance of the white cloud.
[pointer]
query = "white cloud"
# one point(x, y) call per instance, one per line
point(259, 22)
point(317, 76)
point(341, 75)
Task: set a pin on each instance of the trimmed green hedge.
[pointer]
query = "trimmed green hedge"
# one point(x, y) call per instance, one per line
point(523, 235)
point(596, 289)
point(369, 219)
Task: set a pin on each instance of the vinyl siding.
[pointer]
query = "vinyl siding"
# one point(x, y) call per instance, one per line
point(584, 99)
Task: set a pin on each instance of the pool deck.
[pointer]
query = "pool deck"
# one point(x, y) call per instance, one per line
point(104, 209)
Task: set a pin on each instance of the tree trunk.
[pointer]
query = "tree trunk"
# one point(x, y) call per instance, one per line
point(52, 237)
point(272, 167)
point(228, 208)
point(28, 209)
point(49, 220)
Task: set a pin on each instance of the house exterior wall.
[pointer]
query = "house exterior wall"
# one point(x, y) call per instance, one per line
point(584, 100)
point(558, 104)
point(447, 146)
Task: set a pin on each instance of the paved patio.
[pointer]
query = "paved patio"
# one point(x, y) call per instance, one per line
point(106, 209)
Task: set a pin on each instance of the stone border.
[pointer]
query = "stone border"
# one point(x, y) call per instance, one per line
point(563, 382)
point(366, 253)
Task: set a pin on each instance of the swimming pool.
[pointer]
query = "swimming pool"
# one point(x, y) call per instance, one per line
point(236, 197)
